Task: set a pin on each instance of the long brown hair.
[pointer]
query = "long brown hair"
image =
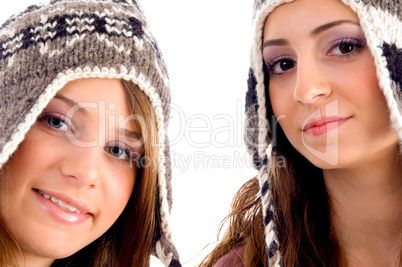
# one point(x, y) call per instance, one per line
point(302, 215)
point(129, 241)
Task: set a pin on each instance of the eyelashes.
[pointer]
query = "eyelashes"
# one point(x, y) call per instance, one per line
point(60, 125)
point(346, 46)
point(56, 122)
point(280, 65)
point(123, 152)
point(341, 49)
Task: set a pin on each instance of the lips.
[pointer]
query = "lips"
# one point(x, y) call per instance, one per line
point(323, 125)
point(63, 208)
point(60, 203)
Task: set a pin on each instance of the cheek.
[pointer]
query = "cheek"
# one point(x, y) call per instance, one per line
point(275, 99)
point(283, 107)
point(359, 81)
point(25, 161)
point(281, 96)
point(116, 194)
point(119, 190)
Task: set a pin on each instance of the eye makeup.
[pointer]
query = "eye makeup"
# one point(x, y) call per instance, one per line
point(340, 42)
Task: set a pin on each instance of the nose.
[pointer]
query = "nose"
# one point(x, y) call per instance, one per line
point(82, 165)
point(312, 82)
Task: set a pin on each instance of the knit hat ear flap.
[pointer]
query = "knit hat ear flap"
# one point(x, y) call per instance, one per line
point(252, 124)
point(268, 212)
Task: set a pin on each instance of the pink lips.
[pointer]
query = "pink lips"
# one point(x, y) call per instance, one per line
point(316, 127)
point(67, 217)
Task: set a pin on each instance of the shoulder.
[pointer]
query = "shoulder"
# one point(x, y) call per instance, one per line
point(232, 259)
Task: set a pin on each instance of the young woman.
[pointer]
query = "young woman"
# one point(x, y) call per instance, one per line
point(84, 158)
point(324, 127)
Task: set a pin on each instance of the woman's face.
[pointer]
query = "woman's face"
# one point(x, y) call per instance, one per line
point(73, 175)
point(323, 85)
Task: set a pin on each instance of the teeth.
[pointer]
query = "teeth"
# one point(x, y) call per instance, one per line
point(60, 203)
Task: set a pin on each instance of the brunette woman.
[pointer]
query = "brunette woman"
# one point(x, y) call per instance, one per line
point(324, 128)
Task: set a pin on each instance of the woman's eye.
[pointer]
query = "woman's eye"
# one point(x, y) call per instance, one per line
point(57, 123)
point(123, 153)
point(282, 66)
point(118, 152)
point(346, 48)
point(343, 49)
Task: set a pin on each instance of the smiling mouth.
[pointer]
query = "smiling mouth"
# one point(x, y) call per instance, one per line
point(323, 125)
point(60, 203)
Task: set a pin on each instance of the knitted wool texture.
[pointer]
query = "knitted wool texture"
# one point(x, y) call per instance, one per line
point(47, 46)
point(381, 21)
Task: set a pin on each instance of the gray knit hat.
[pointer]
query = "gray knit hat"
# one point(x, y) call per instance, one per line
point(47, 46)
point(381, 21)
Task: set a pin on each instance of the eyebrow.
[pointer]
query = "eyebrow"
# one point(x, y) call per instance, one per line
point(130, 134)
point(72, 103)
point(275, 42)
point(313, 33)
point(327, 26)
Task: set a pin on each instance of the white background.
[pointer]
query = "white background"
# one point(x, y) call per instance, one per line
point(206, 46)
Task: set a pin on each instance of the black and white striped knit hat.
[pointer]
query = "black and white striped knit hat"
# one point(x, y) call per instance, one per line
point(49, 45)
point(381, 21)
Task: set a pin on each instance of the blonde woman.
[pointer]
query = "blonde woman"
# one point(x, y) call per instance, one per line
point(84, 107)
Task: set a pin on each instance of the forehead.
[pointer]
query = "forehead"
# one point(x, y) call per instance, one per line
point(302, 15)
point(97, 90)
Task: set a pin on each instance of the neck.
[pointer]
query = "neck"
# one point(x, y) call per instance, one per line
point(366, 210)
point(32, 261)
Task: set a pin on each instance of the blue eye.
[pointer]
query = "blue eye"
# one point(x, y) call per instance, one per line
point(124, 154)
point(55, 122)
point(118, 152)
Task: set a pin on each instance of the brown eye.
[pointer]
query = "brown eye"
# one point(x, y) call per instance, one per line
point(346, 48)
point(286, 65)
point(282, 66)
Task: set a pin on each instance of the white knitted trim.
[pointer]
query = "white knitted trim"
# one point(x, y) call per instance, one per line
point(256, 65)
point(70, 75)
